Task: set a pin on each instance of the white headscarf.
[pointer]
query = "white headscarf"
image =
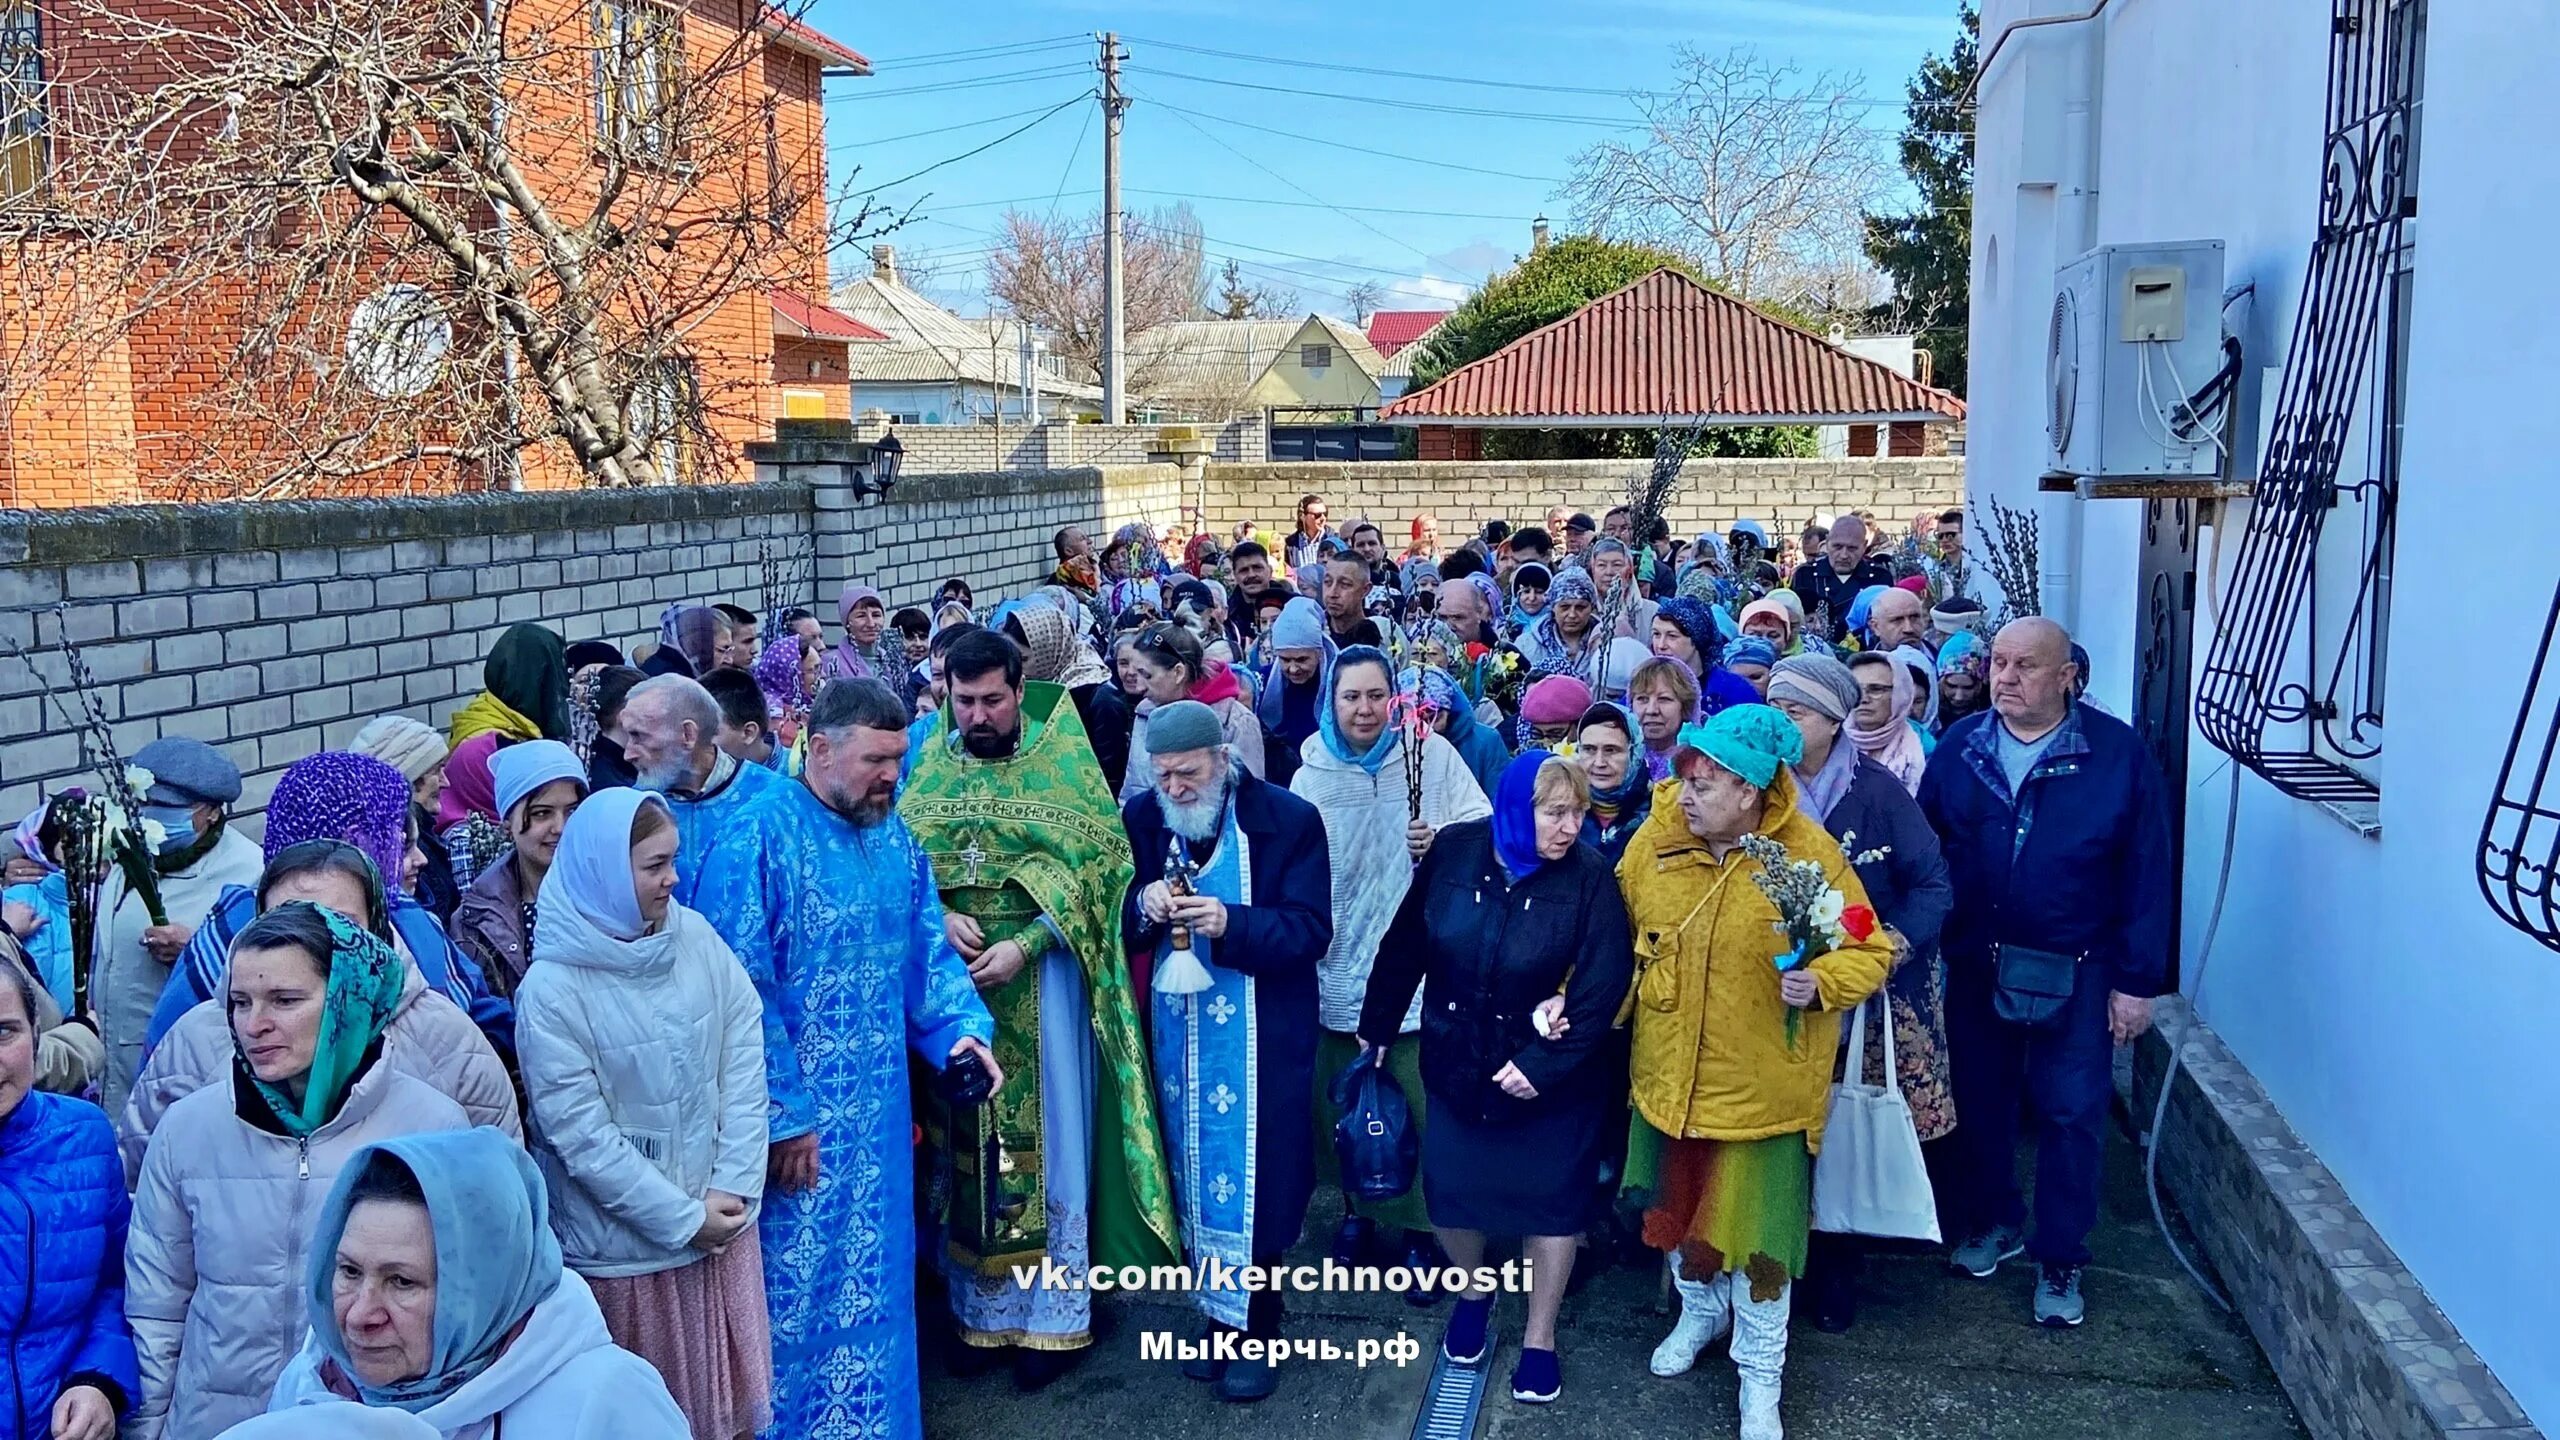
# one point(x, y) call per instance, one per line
point(590, 876)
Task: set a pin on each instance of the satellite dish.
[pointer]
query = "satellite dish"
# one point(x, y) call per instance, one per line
point(2062, 369)
point(396, 341)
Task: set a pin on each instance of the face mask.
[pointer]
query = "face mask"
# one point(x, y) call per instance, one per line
point(179, 821)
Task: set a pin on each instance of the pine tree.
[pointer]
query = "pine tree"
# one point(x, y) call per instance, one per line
point(1928, 253)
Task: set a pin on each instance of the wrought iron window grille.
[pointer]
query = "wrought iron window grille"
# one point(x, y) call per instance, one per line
point(2272, 695)
point(2519, 859)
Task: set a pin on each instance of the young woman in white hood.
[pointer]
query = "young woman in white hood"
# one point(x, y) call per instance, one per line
point(642, 1041)
point(436, 1288)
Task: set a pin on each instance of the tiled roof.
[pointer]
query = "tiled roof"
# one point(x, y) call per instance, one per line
point(793, 315)
point(1399, 365)
point(928, 343)
point(1668, 346)
point(792, 34)
point(1392, 330)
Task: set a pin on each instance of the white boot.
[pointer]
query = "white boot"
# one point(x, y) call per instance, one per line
point(1760, 1356)
point(1704, 1313)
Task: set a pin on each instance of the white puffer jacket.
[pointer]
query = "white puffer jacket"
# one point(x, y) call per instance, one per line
point(560, 1378)
point(429, 1036)
point(645, 1062)
point(214, 1263)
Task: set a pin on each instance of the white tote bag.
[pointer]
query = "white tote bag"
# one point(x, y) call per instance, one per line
point(1869, 1178)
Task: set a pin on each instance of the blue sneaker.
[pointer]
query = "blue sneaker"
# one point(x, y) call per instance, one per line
point(1470, 1334)
point(1980, 1256)
point(1538, 1379)
point(2058, 1302)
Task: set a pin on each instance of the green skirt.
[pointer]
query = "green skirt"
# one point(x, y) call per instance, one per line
point(1727, 1205)
point(1404, 1061)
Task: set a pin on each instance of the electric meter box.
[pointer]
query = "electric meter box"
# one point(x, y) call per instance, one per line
point(2135, 330)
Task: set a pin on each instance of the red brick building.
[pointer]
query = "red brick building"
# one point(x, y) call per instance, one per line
point(130, 406)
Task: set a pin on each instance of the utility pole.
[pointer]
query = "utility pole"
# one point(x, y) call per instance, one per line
point(1115, 393)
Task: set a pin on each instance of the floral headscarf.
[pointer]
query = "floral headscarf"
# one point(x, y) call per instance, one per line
point(778, 674)
point(335, 795)
point(366, 977)
point(692, 631)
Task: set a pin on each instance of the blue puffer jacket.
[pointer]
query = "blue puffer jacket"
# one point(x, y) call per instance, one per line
point(62, 1223)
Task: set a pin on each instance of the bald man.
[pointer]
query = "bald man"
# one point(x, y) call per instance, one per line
point(1829, 583)
point(2055, 824)
point(1898, 618)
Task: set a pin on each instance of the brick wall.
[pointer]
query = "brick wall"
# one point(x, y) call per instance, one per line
point(273, 631)
point(1462, 495)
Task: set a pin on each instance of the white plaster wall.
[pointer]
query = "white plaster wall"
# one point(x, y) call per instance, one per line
point(2405, 1032)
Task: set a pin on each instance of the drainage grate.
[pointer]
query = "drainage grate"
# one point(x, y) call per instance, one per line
point(1455, 1394)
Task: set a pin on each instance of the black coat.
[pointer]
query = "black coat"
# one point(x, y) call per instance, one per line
point(1486, 952)
point(1278, 940)
point(1817, 585)
point(1908, 887)
point(1105, 713)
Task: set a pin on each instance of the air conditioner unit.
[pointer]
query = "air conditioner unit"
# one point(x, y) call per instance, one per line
point(2135, 330)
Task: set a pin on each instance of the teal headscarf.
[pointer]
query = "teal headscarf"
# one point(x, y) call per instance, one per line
point(1375, 759)
point(496, 1257)
point(366, 977)
point(1753, 741)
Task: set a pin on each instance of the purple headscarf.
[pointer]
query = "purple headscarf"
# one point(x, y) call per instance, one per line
point(849, 661)
point(777, 674)
point(335, 795)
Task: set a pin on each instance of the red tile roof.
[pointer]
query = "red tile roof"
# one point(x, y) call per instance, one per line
point(1668, 346)
point(1392, 330)
point(793, 315)
point(792, 34)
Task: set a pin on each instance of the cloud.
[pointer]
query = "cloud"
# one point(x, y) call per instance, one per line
point(1425, 292)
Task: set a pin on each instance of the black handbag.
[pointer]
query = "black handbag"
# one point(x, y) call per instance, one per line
point(1374, 1141)
point(2032, 986)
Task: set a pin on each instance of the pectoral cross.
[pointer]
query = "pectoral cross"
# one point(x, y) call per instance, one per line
point(973, 857)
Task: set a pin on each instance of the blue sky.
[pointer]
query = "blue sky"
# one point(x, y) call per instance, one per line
point(1297, 209)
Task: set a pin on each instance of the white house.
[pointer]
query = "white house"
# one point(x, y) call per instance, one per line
point(940, 369)
point(2403, 1033)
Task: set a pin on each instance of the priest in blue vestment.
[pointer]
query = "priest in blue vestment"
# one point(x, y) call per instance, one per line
point(671, 735)
point(830, 904)
point(1233, 897)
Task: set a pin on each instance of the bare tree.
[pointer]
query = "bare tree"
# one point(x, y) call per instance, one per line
point(1363, 297)
point(1049, 273)
point(445, 232)
point(1761, 172)
point(1242, 299)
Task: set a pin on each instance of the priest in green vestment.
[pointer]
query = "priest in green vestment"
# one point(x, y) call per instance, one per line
point(1032, 864)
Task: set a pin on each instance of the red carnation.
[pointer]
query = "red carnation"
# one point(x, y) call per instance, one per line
point(1858, 922)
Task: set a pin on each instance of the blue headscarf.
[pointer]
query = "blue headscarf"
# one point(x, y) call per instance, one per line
point(1696, 619)
point(496, 1257)
point(1515, 815)
point(1376, 757)
point(1862, 606)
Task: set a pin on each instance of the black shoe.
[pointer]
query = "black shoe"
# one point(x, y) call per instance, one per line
point(1355, 1240)
point(1835, 1301)
point(1248, 1380)
point(1207, 1369)
point(968, 1361)
point(1035, 1369)
point(1422, 1255)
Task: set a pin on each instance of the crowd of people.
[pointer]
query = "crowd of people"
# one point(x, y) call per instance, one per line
point(679, 1042)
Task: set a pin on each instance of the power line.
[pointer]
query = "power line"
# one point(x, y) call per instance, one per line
point(943, 129)
point(1070, 167)
point(1294, 185)
point(1478, 80)
point(1630, 122)
point(981, 82)
point(956, 57)
point(1358, 149)
point(979, 150)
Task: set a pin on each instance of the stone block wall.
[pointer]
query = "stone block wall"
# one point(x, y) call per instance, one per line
point(1463, 494)
point(274, 631)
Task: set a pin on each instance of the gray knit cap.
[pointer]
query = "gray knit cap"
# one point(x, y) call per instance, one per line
point(1817, 682)
point(1183, 725)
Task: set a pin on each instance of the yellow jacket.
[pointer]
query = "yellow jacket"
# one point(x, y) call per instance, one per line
point(1712, 1060)
point(484, 713)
